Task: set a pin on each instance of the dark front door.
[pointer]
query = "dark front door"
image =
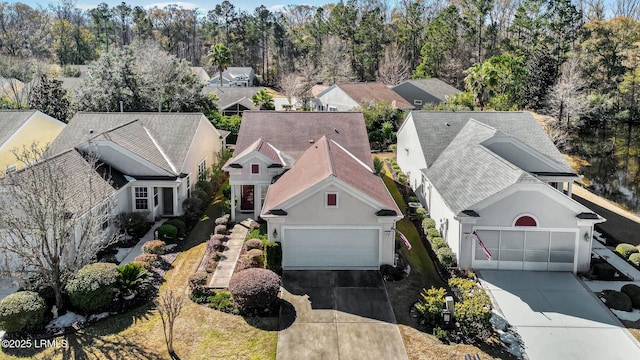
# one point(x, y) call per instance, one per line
point(167, 201)
point(246, 200)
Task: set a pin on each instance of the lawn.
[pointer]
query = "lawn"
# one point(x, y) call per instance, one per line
point(200, 332)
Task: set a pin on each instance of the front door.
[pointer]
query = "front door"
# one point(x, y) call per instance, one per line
point(246, 200)
point(167, 201)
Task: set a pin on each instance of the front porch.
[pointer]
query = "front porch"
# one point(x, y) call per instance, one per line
point(247, 200)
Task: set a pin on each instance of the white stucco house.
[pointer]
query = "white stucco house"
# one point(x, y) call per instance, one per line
point(346, 97)
point(310, 176)
point(497, 177)
point(154, 159)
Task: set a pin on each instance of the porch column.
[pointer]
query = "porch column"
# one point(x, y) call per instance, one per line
point(569, 187)
point(176, 210)
point(233, 202)
point(257, 205)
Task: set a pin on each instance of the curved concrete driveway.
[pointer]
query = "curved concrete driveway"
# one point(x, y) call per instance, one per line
point(338, 315)
point(558, 317)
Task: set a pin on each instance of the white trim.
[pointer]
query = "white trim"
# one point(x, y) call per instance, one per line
point(353, 157)
point(513, 223)
point(326, 200)
point(166, 158)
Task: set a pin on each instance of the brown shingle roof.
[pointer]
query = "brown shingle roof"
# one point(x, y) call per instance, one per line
point(292, 131)
point(324, 159)
point(362, 92)
point(262, 147)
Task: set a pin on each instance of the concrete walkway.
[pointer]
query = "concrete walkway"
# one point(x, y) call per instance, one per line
point(338, 315)
point(230, 255)
point(618, 263)
point(127, 255)
point(558, 317)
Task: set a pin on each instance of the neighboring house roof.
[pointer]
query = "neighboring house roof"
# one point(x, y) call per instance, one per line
point(201, 73)
point(12, 88)
point(363, 92)
point(11, 121)
point(263, 148)
point(293, 132)
point(162, 138)
point(437, 129)
point(318, 89)
point(70, 83)
point(323, 160)
point(435, 87)
point(230, 96)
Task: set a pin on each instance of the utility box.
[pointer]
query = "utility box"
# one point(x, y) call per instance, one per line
point(449, 303)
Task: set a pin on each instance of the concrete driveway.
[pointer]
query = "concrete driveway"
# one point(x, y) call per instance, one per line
point(338, 315)
point(558, 317)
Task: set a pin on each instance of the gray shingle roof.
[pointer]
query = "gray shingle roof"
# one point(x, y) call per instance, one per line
point(10, 122)
point(436, 130)
point(435, 87)
point(150, 135)
point(228, 96)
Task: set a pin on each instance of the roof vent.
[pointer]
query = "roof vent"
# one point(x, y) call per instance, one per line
point(447, 124)
point(311, 141)
point(90, 131)
point(336, 130)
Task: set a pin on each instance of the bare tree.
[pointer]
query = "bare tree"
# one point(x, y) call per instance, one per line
point(336, 67)
point(566, 100)
point(169, 306)
point(627, 8)
point(291, 85)
point(54, 215)
point(15, 78)
point(393, 67)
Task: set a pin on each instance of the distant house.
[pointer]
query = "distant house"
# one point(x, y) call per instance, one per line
point(425, 91)
point(345, 97)
point(14, 90)
point(201, 73)
point(158, 157)
point(495, 179)
point(235, 76)
point(23, 128)
point(70, 83)
point(233, 100)
point(310, 176)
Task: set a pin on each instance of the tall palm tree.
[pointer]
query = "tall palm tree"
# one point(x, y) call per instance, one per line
point(220, 57)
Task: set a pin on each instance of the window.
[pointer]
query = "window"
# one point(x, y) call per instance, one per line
point(417, 102)
point(331, 199)
point(10, 169)
point(525, 220)
point(202, 170)
point(142, 203)
point(255, 169)
point(333, 108)
point(155, 196)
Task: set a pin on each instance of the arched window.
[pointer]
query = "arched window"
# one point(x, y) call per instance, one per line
point(525, 220)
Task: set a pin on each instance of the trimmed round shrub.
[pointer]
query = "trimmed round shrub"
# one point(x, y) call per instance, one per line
point(192, 208)
point(205, 186)
point(153, 247)
point(633, 292)
point(438, 243)
point(223, 220)
point(626, 250)
point(167, 232)
point(254, 225)
point(92, 288)
point(211, 265)
point(432, 232)
point(199, 194)
point(256, 256)
point(446, 257)
point(253, 244)
point(150, 261)
point(220, 229)
point(617, 300)
point(635, 259)
point(254, 290)
point(198, 281)
point(214, 245)
point(428, 223)
point(179, 224)
point(22, 310)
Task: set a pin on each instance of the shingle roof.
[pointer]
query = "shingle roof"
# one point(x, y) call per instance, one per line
point(436, 130)
point(152, 133)
point(291, 132)
point(361, 92)
point(11, 121)
point(322, 160)
point(70, 83)
point(228, 96)
point(262, 147)
point(435, 87)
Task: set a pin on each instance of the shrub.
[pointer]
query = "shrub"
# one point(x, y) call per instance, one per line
point(206, 199)
point(22, 310)
point(413, 198)
point(635, 259)
point(438, 243)
point(220, 237)
point(131, 277)
point(253, 244)
point(211, 265)
point(167, 232)
point(92, 288)
point(474, 314)
point(428, 223)
point(150, 261)
point(222, 301)
point(226, 191)
point(206, 187)
point(254, 290)
point(256, 256)
point(153, 247)
point(254, 225)
point(421, 213)
point(223, 220)
point(273, 256)
point(617, 300)
point(440, 334)
point(134, 223)
point(214, 245)
point(220, 229)
point(626, 250)
point(432, 232)
point(180, 225)
point(257, 234)
point(446, 257)
point(431, 304)
point(392, 273)
point(198, 282)
point(633, 291)
point(192, 208)
point(378, 166)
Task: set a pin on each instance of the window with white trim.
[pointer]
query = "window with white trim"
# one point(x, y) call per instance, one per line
point(10, 169)
point(255, 169)
point(331, 200)
point(141, 193)
point(202, 170)
point(155, 196)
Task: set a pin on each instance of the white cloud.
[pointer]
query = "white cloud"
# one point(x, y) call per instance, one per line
point(276, 8)
point(160, 5)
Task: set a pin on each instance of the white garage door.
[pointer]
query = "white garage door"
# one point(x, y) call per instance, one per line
point(535, 249)
point(330, 248)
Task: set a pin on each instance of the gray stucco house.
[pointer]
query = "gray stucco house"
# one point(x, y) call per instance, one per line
point(497, 177)
point(421, 92)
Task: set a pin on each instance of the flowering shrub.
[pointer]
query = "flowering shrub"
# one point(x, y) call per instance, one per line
point(253, 244)
point(22, 310)
point(153, 247)
point(446, 257)
point(93, 286)
point(254, 290)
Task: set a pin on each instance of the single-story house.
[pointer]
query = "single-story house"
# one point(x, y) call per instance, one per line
point(345, 97)
point(160, 155)
point(310, 176)
point(496, 179)
point(20, 129)
point(235, 76)
point(233, 100)
point(421, 92)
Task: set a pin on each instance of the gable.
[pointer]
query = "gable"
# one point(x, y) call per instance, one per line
point(124, 160)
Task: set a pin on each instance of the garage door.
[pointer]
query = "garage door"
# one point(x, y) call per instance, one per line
point(330, 248)
point(534, 249)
